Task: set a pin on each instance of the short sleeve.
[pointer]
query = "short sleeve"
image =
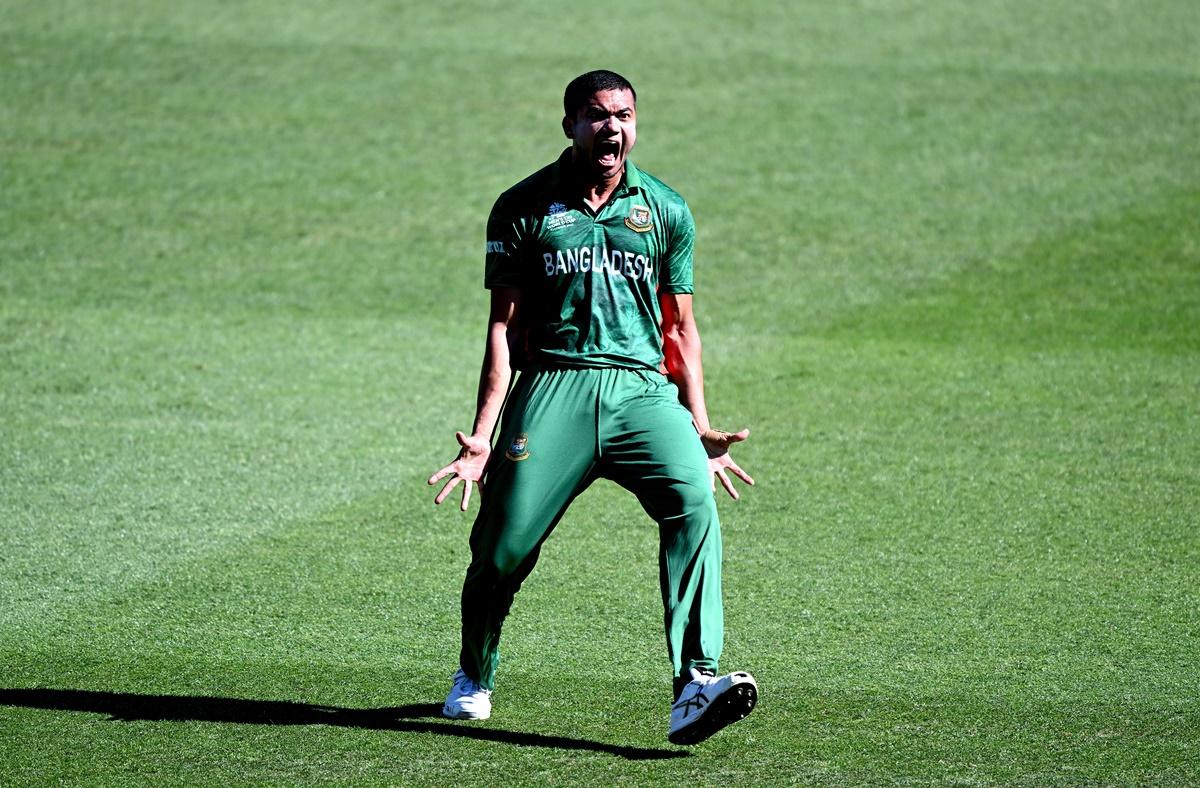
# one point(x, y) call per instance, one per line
point(675, 275)
point(503, 253)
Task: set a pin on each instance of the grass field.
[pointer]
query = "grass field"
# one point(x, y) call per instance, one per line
point(948, 272)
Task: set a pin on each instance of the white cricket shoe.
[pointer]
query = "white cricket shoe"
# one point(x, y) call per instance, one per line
point(708, 703)
point(467, 700)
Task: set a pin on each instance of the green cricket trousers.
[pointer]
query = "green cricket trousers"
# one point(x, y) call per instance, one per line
point(562, 429)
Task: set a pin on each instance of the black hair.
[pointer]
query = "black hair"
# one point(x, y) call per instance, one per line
point(584, 86)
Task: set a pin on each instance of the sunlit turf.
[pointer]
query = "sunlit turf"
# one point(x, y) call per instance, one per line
point(948, 273)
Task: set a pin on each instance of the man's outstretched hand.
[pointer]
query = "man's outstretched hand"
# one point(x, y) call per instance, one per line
point(717, 444)
point(468, 468)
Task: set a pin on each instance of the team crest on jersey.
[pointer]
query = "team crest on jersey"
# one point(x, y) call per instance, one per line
point(638, 219)
point(519, 448)
point(558, 215)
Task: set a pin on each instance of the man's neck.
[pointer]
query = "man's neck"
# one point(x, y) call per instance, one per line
point(595, 189)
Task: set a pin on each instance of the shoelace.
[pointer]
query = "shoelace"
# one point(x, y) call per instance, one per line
point(467, 686)
point(699, 700)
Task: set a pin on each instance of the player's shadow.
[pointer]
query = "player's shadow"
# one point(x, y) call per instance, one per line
point(128, 707)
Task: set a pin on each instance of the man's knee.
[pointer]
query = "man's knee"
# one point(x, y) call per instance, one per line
point(686, 502)
point(504, 551)
point(496, 566)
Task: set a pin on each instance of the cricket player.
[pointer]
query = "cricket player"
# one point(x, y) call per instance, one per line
point(589, 264)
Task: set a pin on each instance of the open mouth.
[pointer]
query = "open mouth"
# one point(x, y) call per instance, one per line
point(607, 151)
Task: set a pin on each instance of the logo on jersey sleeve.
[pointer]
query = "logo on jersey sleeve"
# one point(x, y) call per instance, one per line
point(558, 215)
point(638, 219)
point(519, 448)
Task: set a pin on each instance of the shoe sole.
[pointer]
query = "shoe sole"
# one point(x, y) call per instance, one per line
point(726, 709)
point(462, 715)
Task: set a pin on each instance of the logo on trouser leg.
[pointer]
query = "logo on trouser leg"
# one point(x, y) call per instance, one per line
point(519, 448)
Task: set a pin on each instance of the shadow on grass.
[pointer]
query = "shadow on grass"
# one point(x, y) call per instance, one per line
point(129, 707)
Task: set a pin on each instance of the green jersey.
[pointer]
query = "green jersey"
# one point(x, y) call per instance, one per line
point(590, 280)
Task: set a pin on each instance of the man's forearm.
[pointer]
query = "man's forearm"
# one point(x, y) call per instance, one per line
point(684, 369)
point(494, 377)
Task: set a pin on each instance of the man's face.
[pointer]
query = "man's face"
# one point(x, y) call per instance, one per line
point(603, 131)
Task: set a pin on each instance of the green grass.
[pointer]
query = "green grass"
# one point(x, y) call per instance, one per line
point(949, 274)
